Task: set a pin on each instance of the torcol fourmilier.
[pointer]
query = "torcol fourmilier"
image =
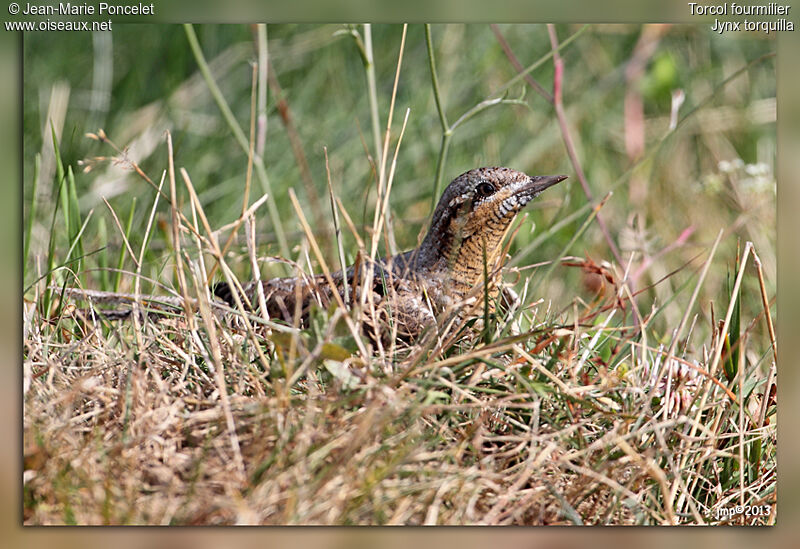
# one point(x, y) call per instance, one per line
point(772, 8)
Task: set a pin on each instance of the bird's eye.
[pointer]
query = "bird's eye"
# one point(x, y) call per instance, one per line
point(485, 188)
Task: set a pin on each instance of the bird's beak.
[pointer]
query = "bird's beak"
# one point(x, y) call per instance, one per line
point(541, 182)
point(530, 190)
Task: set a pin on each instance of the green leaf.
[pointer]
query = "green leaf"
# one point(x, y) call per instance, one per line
point(332, 351)
point(754, 454)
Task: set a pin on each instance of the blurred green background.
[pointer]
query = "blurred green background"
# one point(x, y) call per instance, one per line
point(715, 171)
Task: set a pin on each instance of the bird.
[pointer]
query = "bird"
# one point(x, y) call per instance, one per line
point(408, 292)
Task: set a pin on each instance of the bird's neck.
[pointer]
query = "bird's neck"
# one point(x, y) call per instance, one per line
point(459, 257)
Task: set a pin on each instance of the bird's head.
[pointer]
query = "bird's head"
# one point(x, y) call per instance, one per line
point(477, 208)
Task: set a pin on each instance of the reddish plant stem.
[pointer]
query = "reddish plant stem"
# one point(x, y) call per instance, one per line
point(556, 101)
point(518, 66)
point(633, 107)
point(558, 104)
point(569, 144)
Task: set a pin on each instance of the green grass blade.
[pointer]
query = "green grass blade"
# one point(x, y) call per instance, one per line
point(569, 245)
point(77, 226)
point(102, 258)
point(121, 257)
point(60, 181)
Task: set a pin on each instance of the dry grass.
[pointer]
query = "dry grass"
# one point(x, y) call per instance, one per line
point(124, 427)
